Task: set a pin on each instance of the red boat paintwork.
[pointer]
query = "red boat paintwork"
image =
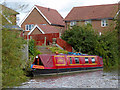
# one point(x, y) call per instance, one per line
point(63, 61)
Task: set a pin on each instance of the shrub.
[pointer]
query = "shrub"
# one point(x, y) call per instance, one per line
point(85, 40)
point(12, 63)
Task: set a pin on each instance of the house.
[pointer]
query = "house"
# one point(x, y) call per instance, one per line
point(99, 16)
point(43, 24)
point(42, 17)
point(8, 15)
point(8, 19)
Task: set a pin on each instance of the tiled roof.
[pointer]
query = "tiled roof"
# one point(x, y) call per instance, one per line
point(92, 12)
point(52, 15)
point(48, 29)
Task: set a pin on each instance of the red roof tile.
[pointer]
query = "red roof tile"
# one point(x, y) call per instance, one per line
point(48, 29)
point(92, 12)
point(52, 15)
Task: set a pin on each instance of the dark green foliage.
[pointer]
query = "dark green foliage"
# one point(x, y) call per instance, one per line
point(12, 63)
point(32, 48)
point(82, 39)
point(85, 40)
point(107, 47)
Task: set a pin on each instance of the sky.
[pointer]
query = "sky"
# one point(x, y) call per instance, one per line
point(62, 6)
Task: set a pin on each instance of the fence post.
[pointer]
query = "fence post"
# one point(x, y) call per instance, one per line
point(45, 41)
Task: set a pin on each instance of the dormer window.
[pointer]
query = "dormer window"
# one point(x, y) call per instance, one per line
point(104, 23)
point(29, 27)
point(87, 22)
point(72, 23)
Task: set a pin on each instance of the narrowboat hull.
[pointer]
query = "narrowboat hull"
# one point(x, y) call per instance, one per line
point(37, 72)
point(62, 63)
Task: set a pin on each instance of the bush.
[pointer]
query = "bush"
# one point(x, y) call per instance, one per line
point(32, 48)
point(12, 63)
point(81, 38)
point(85, 40)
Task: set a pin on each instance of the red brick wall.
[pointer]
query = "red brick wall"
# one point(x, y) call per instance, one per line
point(97, 25)
point(36, 31)
point(34, 18)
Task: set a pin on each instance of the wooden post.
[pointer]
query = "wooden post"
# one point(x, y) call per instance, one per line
point(45, 41)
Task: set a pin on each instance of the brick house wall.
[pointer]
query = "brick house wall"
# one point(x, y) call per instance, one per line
point(34, 18)
point(36, 31)
point(96, 24)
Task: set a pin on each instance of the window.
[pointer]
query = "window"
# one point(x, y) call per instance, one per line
point(104, 23)
point(29, 27)
point(86, 60)
point(72, 23)
point(76, 60)
point(87, 22)
point(70, 60)
point(93, 60)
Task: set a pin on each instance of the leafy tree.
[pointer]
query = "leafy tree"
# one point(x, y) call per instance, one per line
point(107, 47)
point(82, 38)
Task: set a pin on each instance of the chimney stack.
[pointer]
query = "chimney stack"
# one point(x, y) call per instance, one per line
point(48, 9)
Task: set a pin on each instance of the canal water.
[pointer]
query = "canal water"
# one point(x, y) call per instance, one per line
point(94, 79)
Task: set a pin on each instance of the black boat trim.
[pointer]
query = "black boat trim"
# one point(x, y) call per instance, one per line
point(60, 71)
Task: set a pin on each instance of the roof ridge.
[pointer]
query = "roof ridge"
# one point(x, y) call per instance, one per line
point(96, 5)
point(45, 7)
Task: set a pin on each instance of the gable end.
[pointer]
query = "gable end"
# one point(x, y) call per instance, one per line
point(34, 7)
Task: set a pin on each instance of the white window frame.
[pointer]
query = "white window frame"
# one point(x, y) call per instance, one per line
point(93, 60)
point(104, 22)
point(88, 22)
point(73, 23)
point(86, 59)
point(30, 27)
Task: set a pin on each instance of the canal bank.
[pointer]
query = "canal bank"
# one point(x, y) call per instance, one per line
point(95, 79)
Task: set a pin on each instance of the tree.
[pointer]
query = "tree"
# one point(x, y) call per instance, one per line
point(82, 38)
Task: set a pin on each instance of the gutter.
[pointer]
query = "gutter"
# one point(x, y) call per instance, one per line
point(110, 18)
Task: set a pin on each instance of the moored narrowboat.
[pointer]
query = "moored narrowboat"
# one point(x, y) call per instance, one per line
point(50, 64)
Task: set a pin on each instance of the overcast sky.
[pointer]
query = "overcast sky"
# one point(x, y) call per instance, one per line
point(62, 6)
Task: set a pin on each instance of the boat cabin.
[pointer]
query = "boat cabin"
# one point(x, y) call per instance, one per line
point(46, 61)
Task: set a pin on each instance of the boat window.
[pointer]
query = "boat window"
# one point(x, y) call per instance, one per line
point(86, 60)
point(70, 60)
point(76, 60)
point(93, 60)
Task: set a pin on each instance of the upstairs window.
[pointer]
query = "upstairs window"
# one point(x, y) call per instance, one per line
point(72, 23)
point(76, 60)
point(88, 22)
point(86, 60)
point(104, 22)
point(29, 27)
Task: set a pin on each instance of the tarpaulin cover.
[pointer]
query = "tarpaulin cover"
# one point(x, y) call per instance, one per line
point(46, 60)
